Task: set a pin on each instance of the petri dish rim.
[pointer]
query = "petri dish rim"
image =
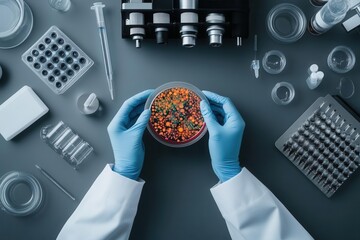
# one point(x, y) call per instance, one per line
point(8, 182)
point(282, 61)
point(349, 52)
point(275, 96)
point(22, 34)
point(165, 87)
point(292, 11)
point(19, 22)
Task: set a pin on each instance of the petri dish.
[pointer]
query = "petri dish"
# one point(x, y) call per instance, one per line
point(176, 119)
point(12, 13)
point(283, 93)
point(20, 193)
point(286, 23)
point(16, 23)
point(274, 62)
point(341, 59)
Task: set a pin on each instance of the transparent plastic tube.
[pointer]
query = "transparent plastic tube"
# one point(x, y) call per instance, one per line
point(329, 15)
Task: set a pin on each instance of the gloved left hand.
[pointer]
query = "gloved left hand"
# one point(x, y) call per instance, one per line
point(126, 131)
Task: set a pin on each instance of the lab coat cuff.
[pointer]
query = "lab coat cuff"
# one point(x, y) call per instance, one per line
point(113, 188)
point(112, 169)
point(239, 191)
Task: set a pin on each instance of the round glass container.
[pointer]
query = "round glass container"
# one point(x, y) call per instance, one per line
point(283, 93)
point(20, 193)
point(286, 23)
point(16, 22)
point(274, 62)
point(176, 119)
point(341, 59)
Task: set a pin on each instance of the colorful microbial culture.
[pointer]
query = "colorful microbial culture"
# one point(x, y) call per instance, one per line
point(176, 117)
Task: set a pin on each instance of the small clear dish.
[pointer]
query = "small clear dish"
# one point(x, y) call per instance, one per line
point(16, 23)
point(176, 119)
point(20, 193)
point(286, 23)
point(274, 62)
point(341, 59)
point(283, 93)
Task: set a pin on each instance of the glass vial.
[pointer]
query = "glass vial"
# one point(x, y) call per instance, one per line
point(60, 5)
point(329, 15)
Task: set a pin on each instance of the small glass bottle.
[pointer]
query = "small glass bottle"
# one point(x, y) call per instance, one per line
point(60, 5)
point(329, 15)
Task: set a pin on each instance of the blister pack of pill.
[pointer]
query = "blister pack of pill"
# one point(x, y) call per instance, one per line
point(324, 143)
point(57, 60)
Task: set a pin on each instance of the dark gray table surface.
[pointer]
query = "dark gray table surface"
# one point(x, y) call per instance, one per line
point(176, 202)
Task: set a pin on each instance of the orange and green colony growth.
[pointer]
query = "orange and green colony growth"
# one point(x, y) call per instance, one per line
point(176, 116)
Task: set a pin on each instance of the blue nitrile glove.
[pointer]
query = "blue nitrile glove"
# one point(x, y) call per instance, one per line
point(126, 131)
point(226, 128)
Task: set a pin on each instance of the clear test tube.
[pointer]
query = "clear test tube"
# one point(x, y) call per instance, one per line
point(54, 133)
point(81, 152)
point(71, 145)
point(64, 139)
point(329, 15)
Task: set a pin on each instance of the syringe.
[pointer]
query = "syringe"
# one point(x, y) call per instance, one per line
point(98, 8)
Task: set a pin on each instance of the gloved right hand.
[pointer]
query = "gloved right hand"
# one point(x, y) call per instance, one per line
point(225, 134)
point(126, 131)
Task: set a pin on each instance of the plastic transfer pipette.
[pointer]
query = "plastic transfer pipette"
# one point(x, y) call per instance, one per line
point(98, 8)
point(255, 64)
point(47, 175)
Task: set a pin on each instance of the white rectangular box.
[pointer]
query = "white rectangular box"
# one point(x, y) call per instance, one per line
point(20, 111)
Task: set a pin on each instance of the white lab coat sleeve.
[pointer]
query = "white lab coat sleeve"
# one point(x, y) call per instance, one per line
point(251, 211)
point(107, 211)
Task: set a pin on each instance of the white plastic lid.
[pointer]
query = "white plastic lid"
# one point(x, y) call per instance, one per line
point(314, 68)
